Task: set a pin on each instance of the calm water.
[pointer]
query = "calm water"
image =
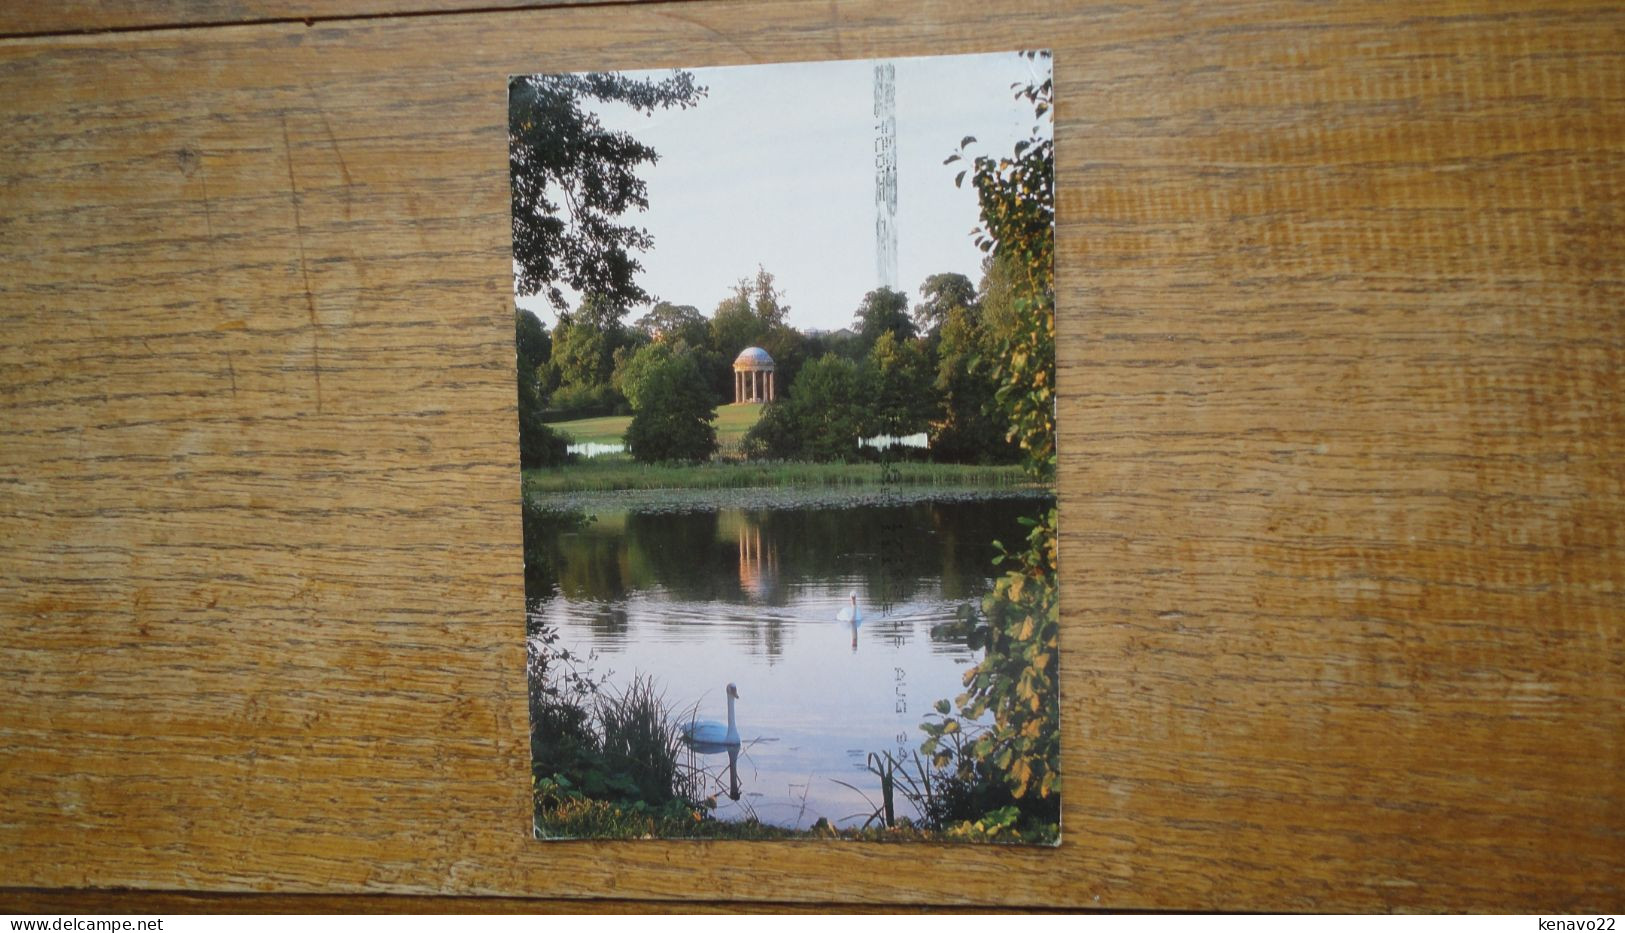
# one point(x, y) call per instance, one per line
point(706, 598)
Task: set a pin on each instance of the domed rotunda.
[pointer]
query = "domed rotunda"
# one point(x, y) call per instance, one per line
point(753, 377)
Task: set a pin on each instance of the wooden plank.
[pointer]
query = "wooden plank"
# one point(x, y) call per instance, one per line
point(166, 903)
point(23, 18)
point(1342, 458)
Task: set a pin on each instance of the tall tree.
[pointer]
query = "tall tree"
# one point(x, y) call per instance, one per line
point(583, 355)
point(788, 347)
point(901, 401)
point(750, 315)
point(531, 341)
point(669, 323)
point(1017, 199)
point(675, 411)
point(884, 310)
point(539, 445)
point(631, 374)
point(967, 430)
point(769, 309)
point(599, 312)
point(734, 324)
point(573, 178)
point(942, 293)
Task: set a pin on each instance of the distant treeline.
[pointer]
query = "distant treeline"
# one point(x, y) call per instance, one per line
point(896, 370)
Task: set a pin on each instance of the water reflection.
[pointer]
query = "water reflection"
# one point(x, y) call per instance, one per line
point(761, 556)
point(758, 564)
point(883, 441)
point(594, 449)
point(754, 596)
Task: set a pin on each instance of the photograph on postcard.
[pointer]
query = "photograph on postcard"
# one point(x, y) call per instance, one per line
point(786, 391)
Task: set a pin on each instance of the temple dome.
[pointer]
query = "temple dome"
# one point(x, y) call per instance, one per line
point(753, 358)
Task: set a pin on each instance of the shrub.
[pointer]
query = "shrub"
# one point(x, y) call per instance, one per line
point(633, 372)
point(774, 436)
point(1018, 678)
point(674, 423)
point(539, 445)
point(822, 417)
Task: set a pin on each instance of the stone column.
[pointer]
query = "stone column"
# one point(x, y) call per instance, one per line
point(739, 389)
point(772, 390)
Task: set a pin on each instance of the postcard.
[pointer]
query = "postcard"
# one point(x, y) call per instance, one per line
point(785, 342)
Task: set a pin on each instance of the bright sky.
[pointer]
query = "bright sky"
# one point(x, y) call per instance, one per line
point(775, 167)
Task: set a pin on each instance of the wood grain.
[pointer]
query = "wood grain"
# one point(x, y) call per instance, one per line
point(1343, 457)
point(166, 903)
point(26, 18)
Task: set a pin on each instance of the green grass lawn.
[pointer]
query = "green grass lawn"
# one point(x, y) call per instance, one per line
point(615, 472)
point(594, 430)
point(732, 422)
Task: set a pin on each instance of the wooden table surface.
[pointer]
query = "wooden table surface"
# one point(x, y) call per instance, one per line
point(1343, 457)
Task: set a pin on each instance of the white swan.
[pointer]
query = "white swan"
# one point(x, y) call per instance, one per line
point(851, 613)
point(711, 732)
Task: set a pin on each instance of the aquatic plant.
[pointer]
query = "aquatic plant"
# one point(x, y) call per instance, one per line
point(642, 745)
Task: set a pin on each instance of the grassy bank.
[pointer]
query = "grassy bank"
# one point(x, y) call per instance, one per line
point(606, 430)
point(608, 474)
point(732, 422)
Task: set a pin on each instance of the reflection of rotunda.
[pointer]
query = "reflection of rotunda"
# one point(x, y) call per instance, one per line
point(758, 565)
point(753, 377)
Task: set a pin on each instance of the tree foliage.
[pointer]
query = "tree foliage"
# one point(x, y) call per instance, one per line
point(669, 323)
point(673, 422)
point(539, 445)
point(1018, 623)
point(633, 375)
point(747, 317)
point(822, 416)
point(883, 310)
point(1018, 678)
point(941, 295)
point(901, 401)
point(583, 355)
point(765, 296)
point(531, 340)
point(573, 179)
point(788, 347)
point(966, 428)
point(734, 325)
point(1016, 194)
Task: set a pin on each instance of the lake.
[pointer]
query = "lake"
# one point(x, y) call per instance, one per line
point(703, 598)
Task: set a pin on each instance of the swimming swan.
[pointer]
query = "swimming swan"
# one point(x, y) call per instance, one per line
point(711, 732)
point(851, 613)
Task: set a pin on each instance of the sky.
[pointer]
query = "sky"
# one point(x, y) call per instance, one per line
point(775, 168)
